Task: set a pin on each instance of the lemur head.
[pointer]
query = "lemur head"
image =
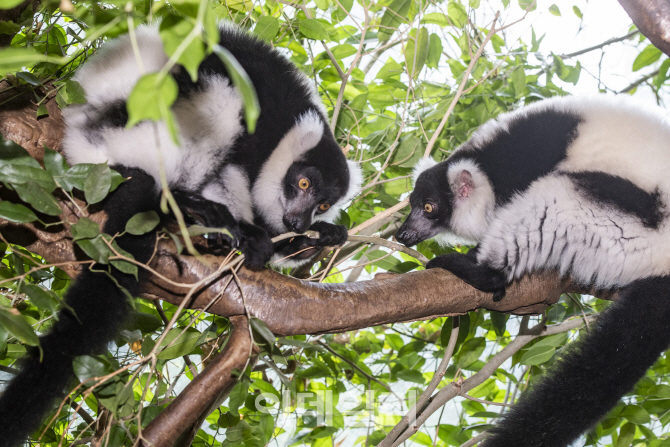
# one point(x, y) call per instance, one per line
point(306, 179)
point(452, 201)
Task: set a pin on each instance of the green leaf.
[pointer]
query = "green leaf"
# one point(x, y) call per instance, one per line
point(436, 18)
point(626, 435)
point(313, 29)
point(97, 183)
point(537, 355)
point(75, 92)
point(528, 5)
point(41, 111)
point(18, 327)
point(635, 414)
point(394, 341)
point(646, 57)
point(183, 344)
point(267, 27)
point(151, 98)
point(12, 153)
point(75, 177)
point(519, 81)
point(15, 212)
point(43, 299)
point(416, 52)
point(263, 330)
point(252, 108)
point(499, 322)
point(14, 59)
point(18, 174)
point(411, 375)
point(27, 76)
point(435, 51)
point(87, 367)
point(554, 10)
point(96, 249)
point(122, 264)
point(471, 349)
point(174, 32)
point(9, 4)
point(457, 14)
point(577, 11)
point(394, 15)
point(85, 228)
point(38, 198)
point(237, 396)
point(142, 223)
point(55, 163)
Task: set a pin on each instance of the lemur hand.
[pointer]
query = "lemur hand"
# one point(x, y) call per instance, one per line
point(329, 234)
point(255, 245)
point(479, 276)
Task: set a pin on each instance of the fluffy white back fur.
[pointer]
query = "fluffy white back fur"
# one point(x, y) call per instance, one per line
point(232, 189)
point(268, 192)
point(471, 216)
point(553, 225)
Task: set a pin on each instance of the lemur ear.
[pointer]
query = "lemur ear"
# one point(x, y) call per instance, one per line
point(465, 184)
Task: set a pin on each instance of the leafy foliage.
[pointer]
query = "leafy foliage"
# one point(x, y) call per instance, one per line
point(388, 72)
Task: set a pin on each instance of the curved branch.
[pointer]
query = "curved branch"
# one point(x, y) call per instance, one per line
point(204, 392)
point(652, 17)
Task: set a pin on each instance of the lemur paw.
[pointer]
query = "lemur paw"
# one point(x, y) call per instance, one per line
point(210, 214)
point(479, 276)
point(329, 234)
point(255, 245)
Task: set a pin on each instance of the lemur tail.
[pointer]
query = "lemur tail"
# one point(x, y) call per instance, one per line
point(595, 373)
point(100, 308)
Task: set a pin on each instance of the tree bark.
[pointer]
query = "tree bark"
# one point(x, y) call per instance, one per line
point(652, 17)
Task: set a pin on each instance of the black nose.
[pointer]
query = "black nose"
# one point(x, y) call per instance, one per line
point(407, 237)
point(295, 223)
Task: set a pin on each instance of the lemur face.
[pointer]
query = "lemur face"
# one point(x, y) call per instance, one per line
point(432, 207)
point(308, 194)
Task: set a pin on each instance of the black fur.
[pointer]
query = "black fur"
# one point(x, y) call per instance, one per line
point(477, 275)
point(594, 372)
point(511, 160)
point(622, 194)
point(100, 307)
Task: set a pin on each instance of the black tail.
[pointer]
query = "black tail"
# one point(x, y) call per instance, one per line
point(100, 308)
point(593, 375)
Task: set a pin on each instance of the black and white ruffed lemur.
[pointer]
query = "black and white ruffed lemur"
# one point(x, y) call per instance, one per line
point(578, 185)
point(289, 175)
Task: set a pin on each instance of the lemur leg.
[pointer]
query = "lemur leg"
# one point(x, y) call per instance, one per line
point(466, 267)
point(253, 241)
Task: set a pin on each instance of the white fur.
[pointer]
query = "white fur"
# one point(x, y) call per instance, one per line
point(471, 216)
point(422, 165)
point(552, 225)
point(232, 189)
point(354, 188)
point(267, 193)
point(208, 122)
point(113, 71)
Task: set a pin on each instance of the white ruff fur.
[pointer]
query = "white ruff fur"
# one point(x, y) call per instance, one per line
point(268, 192)
point(231, 188)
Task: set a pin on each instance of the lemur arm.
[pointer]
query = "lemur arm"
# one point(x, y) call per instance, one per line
point(252, 240)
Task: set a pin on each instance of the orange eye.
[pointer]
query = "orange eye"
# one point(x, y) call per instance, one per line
point(428, 207)
point(303, 184)
point(324, 206)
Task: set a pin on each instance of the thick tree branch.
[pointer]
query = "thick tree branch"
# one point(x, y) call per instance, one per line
point(203, 394)
point(652, 17)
